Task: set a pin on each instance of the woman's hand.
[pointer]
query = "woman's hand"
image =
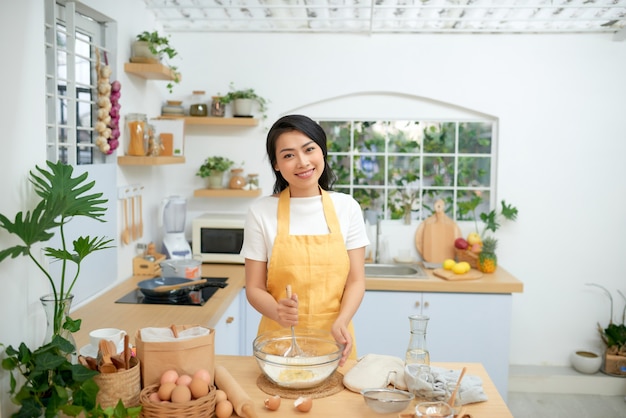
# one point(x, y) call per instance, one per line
point(342, 336)
point(287, 311)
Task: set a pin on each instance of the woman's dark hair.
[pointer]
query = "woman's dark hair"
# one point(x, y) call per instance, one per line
point(309, 128)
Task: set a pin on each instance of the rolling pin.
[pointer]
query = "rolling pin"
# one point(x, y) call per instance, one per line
point(243, 405)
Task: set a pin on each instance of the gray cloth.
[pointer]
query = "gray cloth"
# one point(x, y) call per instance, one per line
point(436, 383)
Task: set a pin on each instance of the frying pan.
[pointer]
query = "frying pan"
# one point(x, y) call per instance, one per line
point(177, 287)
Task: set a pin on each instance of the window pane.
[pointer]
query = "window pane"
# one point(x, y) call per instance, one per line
point(475, 138)
point(341, 166)
point(337, 135)
point(438, 171)
point(369, 137)
point(439, 137)
point(369, 198)
point(403, 171)
point(404, 136)
point(474, 171)
point(369, 170)
point(430, 196)
point(468, 195)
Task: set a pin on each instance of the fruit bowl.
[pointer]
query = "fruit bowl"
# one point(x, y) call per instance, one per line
point(467, 255)
point(321, 355)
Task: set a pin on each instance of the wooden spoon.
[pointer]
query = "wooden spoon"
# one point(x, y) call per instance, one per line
point(106, 365)
point(125, 230)
point(456, 389)
point(126, 352)
point(133, 225)
point(140, 226)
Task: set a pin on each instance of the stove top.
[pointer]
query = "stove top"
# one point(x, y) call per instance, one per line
point(193, 298)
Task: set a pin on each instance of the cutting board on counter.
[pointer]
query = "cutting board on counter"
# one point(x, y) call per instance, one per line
point(449, 275)
point(434, 238)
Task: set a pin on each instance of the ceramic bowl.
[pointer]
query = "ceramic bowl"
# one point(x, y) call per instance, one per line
point(387, 401)
point(321, 355)
point(586, 361)
point(434, 409)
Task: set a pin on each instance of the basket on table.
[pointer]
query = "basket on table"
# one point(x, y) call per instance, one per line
point(466, 255)
point(203, 407)
point(124, 385)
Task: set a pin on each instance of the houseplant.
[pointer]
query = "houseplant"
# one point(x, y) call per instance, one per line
point(242, 101)
point(62, 198)
point(152, 47)
point(213, 169)
point(614, 337)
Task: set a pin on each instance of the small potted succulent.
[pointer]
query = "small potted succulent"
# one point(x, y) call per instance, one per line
point(242, 101)
point(213, 169)
point(152, 47)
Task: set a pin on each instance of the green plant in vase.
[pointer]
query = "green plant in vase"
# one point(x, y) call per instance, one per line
point(236, 94)
point(213, 169)
point(160, 48)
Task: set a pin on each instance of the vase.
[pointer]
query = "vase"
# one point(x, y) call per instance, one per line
point(56, 313)
point(214, 181)
point(242, 107)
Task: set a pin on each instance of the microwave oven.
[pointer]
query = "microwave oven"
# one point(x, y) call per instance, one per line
point(218, 237)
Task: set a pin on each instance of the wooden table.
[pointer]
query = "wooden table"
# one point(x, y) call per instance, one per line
point(350, 404)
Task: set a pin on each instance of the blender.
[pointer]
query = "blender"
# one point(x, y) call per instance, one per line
point(173, 211)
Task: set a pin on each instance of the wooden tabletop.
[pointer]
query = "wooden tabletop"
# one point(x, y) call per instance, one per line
point(350, 404)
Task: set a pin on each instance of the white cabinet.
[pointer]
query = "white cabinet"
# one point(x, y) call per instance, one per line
point(253, 317)
point(230, 328)
point(463, 327)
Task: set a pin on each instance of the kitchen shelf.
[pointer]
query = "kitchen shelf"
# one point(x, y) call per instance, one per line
point(132, 160)
point(213, 121)
point(151, 71)
point(226, 193)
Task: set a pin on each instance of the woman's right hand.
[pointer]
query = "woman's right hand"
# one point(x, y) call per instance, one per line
point(287, 310)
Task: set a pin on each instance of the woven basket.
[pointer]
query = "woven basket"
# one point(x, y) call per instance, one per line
point(466, 255)
point(198, 408)
point(124, 385)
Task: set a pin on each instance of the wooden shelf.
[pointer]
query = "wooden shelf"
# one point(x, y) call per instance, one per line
point(151, 71)
point(226, 193)
point(214, 121)
point(132, 160)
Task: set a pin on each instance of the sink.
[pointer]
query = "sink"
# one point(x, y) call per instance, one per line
point(409, 271)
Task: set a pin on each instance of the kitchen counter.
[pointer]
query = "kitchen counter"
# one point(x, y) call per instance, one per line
point(351, 404)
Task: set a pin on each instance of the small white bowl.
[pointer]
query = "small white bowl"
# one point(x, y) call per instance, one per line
point(586, 361)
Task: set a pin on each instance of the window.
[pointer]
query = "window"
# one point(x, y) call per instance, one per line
point(74, 34)
point(401, 167)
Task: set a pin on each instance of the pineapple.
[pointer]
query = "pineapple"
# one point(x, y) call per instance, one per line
point(487, 260)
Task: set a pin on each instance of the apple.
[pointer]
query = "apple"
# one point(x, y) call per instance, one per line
point(476, 248)
point(474, 238)
point(461, 244)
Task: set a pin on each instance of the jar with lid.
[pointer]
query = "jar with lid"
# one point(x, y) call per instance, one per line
point(218, 109)
point(136, 127)
point(237, 180)
point(198, 107)
point(253, 181)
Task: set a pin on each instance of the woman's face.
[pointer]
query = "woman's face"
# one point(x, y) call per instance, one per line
point(301, 162)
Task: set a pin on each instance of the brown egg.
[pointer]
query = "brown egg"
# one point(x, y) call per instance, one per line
point(169, 376)
point(181, 394)
point(272, 403)
point(303, 404)
point(198, 387)
point(204, 375)
point(220, 395)
point(223, 409)
point(165, 391)
point(154, 397)
point(183, 379)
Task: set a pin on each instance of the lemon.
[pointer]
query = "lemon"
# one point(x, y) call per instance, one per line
point(466, 266)
point(458, 268)
point(448, 264)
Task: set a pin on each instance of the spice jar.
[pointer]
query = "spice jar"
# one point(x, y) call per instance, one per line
point(253, 181)
point(237, 180)
point(198, 107)
point(136, 125)
point(217, 107)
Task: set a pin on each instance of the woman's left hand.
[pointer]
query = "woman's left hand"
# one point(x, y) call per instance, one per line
point(342, 336)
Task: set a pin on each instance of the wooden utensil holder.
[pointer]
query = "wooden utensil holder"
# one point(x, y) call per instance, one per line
point(143, 267)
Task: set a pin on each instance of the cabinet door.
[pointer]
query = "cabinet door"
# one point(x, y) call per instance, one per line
point(381, 324)
point(229, 329)
point(253, 317)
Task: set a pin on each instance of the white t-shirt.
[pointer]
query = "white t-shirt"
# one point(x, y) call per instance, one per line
point(306, 218)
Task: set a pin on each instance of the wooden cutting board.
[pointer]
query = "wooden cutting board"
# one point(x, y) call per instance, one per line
point(434, 238)
point(449, 275)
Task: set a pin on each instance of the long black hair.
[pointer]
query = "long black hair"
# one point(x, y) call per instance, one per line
point(308, 127)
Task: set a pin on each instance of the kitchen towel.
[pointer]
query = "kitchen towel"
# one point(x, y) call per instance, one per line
point(437, 383)
point(375, 371)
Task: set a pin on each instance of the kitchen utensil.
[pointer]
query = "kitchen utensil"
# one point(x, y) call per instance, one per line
point(133, 225)
point(293, 350)
point(140, 216)
point(125, 229)
point(181, 285)
point(126, 352)
point(172, 217)
point(105, 364)
point(242, 403)
point(436, 409)
point(456, 388)
point(449, 275)
point(386, 401)
point(435, 236)
point(187, 268)
point(320, 358)
point(147, 287)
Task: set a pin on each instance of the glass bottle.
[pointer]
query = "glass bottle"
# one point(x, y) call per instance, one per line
point(253, 181)
point(237, 180)
point(217, 107)
point(136, 125)
point(417, 352)
point(198, 106)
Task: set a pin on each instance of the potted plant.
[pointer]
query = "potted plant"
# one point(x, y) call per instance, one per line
point(63, 386)
point(152, 47)
point(242, 101)
point(213, 169)
point(614, 338)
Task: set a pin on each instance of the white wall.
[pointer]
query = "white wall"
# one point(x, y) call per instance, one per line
point(559, 100)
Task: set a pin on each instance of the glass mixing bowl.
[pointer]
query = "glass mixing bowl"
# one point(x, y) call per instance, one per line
point(321, 355)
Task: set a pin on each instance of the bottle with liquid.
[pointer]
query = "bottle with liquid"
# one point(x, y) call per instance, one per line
point(417, 352)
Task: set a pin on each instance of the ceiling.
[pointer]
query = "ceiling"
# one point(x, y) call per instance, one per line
point(393, 16)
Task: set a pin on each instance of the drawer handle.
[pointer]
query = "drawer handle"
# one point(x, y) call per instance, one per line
point(230, 320)
point(426, 304)
point(417, 304)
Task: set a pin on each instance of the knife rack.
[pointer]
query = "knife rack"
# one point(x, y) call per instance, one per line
point(147, 268)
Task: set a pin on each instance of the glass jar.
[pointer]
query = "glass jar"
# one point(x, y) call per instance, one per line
point(237, 180)
point(218, 109)
point(199, 106)
point(136, 126)
point(253, 181)
point(154, 142)
point(417, 351)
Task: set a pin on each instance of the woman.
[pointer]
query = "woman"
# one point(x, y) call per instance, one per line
point(307, 237)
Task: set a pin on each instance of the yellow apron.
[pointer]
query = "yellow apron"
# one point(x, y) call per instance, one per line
point(316, 267)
